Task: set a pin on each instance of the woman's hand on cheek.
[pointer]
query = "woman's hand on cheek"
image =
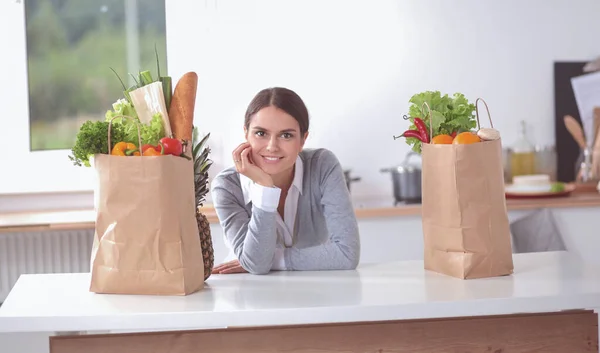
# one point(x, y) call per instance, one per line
point(245, 166)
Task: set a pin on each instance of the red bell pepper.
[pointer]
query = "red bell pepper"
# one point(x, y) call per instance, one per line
point(151, 150)
point(146, 146)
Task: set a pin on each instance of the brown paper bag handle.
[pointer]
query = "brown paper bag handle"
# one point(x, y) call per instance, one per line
point(477, 113)
point(110, 129)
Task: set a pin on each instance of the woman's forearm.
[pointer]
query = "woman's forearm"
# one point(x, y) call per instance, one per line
point(253, 238)
point(329, 256)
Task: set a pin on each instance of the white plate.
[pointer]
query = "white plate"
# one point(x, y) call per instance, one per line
point(527, 189)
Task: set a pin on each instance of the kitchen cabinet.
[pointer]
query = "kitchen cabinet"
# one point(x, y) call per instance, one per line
point(547, 304)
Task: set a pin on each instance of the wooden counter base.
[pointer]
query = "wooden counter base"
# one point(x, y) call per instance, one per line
point(572, 331)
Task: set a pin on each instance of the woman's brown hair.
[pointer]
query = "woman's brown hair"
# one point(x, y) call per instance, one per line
point(282, 98)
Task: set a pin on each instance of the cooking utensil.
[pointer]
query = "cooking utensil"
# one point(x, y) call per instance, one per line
point(576, 130)
point(596, 125)
point(596, 146)
point(406, 181)
point(584, 166)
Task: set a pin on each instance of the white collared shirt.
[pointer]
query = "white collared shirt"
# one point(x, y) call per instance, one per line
point(267, 198)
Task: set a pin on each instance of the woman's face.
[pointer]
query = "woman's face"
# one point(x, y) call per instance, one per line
point(275, 139)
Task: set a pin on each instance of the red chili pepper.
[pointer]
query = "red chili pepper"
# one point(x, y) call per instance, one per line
point(453, 134)
point(422, 130)
point(411, 133)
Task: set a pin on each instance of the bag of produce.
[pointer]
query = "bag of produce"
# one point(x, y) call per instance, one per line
point(151, 236)
point(465, 222)
point(146, 239)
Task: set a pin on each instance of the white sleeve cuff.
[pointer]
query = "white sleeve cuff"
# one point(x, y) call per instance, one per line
point(278, 260)
point(265, 198)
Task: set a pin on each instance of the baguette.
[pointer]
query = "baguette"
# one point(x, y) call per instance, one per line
point(181, 111)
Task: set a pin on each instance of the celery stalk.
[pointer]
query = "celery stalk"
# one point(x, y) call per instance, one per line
point(145, 78)
point(167, 89)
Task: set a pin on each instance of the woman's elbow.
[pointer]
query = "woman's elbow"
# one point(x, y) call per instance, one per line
point(256, 268)
point(352, 262)
point(351, 259)
point(259, 271)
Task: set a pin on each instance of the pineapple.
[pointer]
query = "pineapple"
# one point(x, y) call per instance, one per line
point(202, 163)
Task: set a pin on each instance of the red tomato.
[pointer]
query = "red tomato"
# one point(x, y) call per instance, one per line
point(172, 146)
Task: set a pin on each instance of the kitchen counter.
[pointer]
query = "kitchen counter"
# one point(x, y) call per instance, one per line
point(549, 292)
point(84, 219)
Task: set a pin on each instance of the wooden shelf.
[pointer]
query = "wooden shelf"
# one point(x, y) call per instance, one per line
point(62, 220)
point(85, 219)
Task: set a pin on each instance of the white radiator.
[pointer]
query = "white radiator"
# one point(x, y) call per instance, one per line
point(42, 252)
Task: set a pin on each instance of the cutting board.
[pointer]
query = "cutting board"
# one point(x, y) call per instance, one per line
point(567, 150)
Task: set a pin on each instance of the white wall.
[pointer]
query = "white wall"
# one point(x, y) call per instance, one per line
point(355, 63)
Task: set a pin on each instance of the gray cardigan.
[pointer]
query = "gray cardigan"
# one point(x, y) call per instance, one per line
point(326, 231)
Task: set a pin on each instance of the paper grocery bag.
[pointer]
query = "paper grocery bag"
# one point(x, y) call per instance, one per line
point(146, 239)
point(465, 222)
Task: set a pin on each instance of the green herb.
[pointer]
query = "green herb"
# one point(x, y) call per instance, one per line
point(557, 187)
point(448, 114)
point(92, 138)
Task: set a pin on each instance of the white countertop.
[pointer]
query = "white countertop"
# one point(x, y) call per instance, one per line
point(542, 282)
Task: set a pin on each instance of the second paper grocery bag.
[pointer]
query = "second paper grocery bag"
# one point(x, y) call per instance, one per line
point(465, 221)
point(146, 239)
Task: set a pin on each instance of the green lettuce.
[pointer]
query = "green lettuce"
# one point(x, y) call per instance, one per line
point(151, 133)
point(448, 114)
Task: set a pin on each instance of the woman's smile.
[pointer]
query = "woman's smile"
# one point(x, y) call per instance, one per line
point(271, 159)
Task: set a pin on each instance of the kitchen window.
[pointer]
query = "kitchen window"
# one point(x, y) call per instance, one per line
point(58, 75)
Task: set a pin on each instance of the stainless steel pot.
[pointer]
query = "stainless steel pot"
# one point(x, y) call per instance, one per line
point(406, 181)
point(349, 179)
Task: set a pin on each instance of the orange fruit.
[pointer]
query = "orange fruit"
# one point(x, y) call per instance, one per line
point(466, 138)
point(442, 139)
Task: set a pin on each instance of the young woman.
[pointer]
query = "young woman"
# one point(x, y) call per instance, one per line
point(283, 207)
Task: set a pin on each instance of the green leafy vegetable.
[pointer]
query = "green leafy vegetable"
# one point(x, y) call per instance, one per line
point(151, 133)
point(92, 138)
point(121, 107)
point(154, 131)
point(448, 114)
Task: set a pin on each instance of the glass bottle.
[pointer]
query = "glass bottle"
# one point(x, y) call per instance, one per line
point(584, 171)
point(522, 159)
